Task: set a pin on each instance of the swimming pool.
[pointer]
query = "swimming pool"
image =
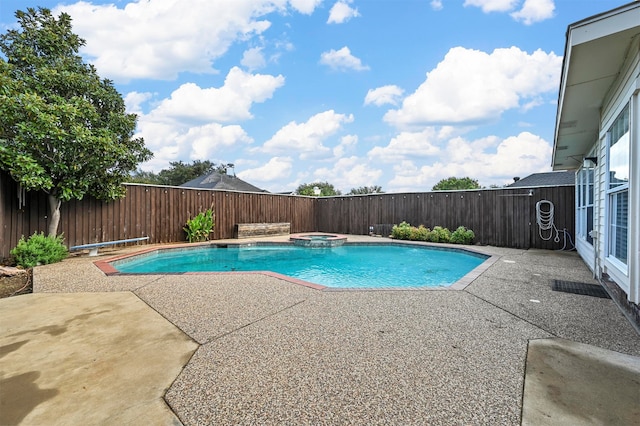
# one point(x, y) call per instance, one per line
point(348, 266)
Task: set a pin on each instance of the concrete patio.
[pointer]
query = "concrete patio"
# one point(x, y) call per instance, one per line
point(254, 349)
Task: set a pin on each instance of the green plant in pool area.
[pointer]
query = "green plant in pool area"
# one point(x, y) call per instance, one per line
point(462, 235)
point(440, 235)
point(420, 233)
point(402, 231)
point(200, 227)
point(39, 250)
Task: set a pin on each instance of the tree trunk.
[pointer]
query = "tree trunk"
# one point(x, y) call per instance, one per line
point(54, 217)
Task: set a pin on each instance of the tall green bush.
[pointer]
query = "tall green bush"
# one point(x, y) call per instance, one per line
point(420, 233)
point(402, 231)
point(39, 250)
point(440, 235)
point(200, 227)
point(462, 235)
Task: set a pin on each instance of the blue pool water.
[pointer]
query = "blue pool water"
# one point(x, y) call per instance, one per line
point(348, 266)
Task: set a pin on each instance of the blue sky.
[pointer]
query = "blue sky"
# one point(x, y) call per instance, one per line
point(395, 93)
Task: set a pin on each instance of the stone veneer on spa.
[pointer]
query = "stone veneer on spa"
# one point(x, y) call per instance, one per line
point(318, 239)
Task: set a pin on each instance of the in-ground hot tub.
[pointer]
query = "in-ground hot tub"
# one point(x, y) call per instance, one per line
point(318, 239)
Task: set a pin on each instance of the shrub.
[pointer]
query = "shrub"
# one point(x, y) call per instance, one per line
point(402, 231)
point(39, 250)
point(462, 235)
point(200, 227)
point(405, 231)
point(420, 233)
point(440, 235)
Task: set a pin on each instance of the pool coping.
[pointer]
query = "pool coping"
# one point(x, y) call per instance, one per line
point(109, 270)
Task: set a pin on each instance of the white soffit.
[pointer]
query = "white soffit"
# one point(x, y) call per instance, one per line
point(594, 55)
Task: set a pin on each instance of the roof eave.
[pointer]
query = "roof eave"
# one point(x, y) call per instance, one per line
point(587, 77)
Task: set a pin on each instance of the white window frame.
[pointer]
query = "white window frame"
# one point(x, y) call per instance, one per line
point(612, 192)
point(585, 187)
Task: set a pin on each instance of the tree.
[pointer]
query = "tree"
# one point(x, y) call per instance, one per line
point(63, 129)
point(454, 183)
point(325, 188)
point(141, 176)
point(375, 189)
point(179, 173)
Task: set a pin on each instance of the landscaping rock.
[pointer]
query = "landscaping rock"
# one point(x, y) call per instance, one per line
point(11, 271)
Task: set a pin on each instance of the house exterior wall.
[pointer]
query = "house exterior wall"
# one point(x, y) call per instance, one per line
point(625, 91)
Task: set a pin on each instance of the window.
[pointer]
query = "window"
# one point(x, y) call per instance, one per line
point(584, 216)
point(618, 186)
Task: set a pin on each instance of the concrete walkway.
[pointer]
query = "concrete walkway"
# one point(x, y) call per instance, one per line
point(273, 352)
point(87, 358)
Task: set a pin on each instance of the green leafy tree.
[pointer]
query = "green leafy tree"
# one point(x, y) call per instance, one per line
point(326, 189)
point(375, 189)
point(140, 176)
point(454, 183)
point(63, 129)
point(179, 173)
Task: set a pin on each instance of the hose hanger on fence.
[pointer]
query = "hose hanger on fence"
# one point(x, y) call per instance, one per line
point(544, 218)
point(545, 221)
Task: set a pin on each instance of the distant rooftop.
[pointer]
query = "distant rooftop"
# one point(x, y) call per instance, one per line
point(546, 179)
point(217, 180)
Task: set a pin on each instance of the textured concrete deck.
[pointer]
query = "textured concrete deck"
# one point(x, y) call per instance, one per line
point(273, 352)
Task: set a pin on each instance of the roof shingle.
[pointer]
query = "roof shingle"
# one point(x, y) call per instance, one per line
point(546, 179)
point(217, 180)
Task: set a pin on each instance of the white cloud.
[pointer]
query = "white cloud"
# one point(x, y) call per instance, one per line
point(209, 140)
point(408, 177)
point(276, 168)
point(304, 6)
point(253, 59)
point(389, 94)
point(471, 86)
point(230, 102)
point(188, 124)
point(436, 4)
point(347, 173)
point(346, 142)
point(534, 11)
point(408, 145)
point(307, 138)
point(537, 101)
point(492, 5)
point(490, 160)
point(341, 12)
point(160, 39)
point(134, 101)
point(518, 155)
point(170, 142)
point(342, 60)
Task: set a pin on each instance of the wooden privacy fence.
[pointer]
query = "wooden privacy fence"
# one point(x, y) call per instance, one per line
point(154, 211)
point(500, 217)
